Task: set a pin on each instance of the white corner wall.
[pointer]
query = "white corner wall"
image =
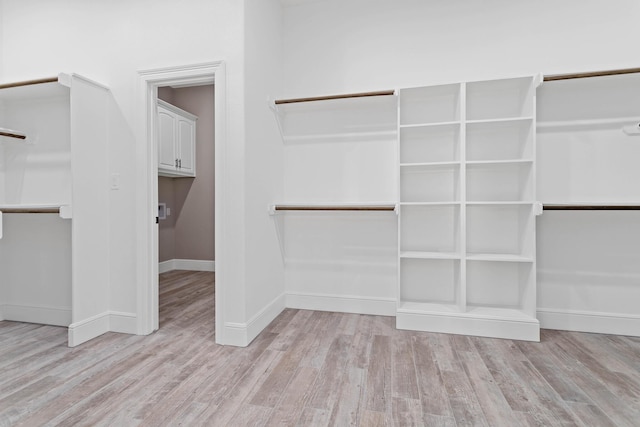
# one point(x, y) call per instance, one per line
point(110, 42)
point(263, 173)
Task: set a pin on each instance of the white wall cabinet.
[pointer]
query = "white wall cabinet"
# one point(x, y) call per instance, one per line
point(176, 141)
point(467, 209)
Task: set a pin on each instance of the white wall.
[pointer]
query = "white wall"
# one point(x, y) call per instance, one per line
point(109, 42)
point(264, 274)
point(354, 45)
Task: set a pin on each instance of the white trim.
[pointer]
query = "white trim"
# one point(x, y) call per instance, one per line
point(125, 323)
point(36, 314)
point(146, 185)
point(342, 303)
point(186, 264)
point(594, 322)
point(87, 329)
point(470, 325)
point(241, 334)
point(109, 321)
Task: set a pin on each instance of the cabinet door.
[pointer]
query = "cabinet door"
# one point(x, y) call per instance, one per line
point(167, 155)
point(187, 146)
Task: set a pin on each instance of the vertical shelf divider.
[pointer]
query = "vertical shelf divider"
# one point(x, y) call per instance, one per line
point(463, 197)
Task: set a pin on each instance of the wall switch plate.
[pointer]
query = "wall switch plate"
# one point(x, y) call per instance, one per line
point(115, 181)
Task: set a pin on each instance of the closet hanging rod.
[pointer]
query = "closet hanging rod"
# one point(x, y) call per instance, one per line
point(30, 210)
point(29, 82)
point(330, 97)
point(12, 133)
point(389, 208)
point(591, 207)
point(591, 74)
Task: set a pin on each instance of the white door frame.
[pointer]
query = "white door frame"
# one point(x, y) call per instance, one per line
point(147, 186)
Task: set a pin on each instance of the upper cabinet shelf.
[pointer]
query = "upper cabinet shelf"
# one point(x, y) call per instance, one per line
point(354, 117)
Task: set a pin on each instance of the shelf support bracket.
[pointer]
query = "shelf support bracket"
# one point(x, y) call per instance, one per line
point(66, 212)
point(537, 208)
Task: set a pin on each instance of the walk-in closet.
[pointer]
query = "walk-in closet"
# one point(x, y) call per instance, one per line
point(434, 204)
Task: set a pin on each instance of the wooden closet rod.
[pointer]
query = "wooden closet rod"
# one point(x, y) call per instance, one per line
point(30, 210)
point(591, 207)
point(591, 74)
point(28, 82)
point(334, 208)
point(330, 97)
point(12, 134)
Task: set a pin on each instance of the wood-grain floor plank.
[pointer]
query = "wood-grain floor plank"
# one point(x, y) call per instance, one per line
point(310, 369)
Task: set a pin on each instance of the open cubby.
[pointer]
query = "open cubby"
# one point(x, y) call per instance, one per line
point(430, 144)
point(503, 140)
point(430, 229)
point(506, 285)
point(431, 104)
point(430, 281)
point(430, 183)
point(501, 229)
point(500, 99)
point(500, 182)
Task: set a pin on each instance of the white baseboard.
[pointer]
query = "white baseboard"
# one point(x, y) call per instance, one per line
point(469, 325)
point(186, 264)
point(124, 323)
point(241, 334)
point(87, 329)
point(109, 321)
point(36, 314)
point(583, 321)
point(342, 303)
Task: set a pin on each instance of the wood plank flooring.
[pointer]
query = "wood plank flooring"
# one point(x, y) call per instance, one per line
point(311, 369)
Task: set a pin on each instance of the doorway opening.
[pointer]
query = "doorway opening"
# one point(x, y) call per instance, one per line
point(193, 78)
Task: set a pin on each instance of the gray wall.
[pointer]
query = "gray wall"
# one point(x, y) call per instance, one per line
point(188, 233)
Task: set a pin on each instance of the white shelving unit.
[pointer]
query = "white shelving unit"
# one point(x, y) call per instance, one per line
point(467, 209)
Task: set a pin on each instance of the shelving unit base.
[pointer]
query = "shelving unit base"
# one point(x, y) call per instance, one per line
point(519, 327)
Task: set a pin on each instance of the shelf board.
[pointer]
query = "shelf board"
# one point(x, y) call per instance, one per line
point(500, 162)
point(499, 313)
point(342, 137)
point(492, 313)
point(445, 203)
point(429, 255)
point(428, 307)
point(498, 203)
point(501, 120)
point(498, 257)
point(430, 164)
point(430, 125)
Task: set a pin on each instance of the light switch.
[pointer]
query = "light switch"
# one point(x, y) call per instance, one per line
point(115, 181)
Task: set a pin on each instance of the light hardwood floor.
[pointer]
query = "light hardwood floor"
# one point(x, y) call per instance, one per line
point(311, 368)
